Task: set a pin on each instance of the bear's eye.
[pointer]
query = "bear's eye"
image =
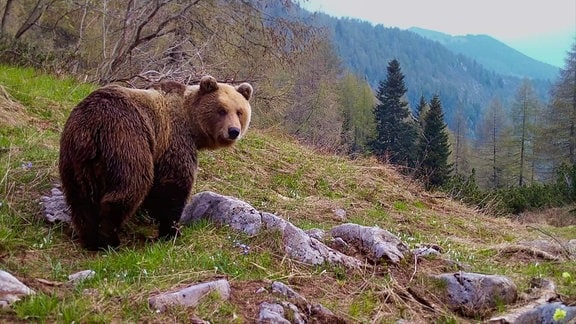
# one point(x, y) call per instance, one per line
point(239, 113)
point(222, 112)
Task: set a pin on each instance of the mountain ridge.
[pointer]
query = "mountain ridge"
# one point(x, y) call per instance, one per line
point(492, 54)
point(465, 86)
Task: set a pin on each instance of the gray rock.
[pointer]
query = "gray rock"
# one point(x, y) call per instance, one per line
point(572, 246)
point(340, 214)
point(544, 314)
point(316, 233)
point(55, 207)
point(557, 249)
point(80, 276)
point(190, 296)
point(224, 210)
point(474, 294)
point(300, 310)
point(243, 217)
point(282, 289)
point(295, 313)
point(271, 313)
point(425, 251)
point(11, 289)
point(539, 309)
point(375, 242)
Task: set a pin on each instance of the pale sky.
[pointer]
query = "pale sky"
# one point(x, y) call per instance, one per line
point(542, 29)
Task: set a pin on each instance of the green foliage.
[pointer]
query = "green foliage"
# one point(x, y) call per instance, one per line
point(357, 102)
point(515, 199)
point(434, 147)
point(395, 131)
point(535, 196)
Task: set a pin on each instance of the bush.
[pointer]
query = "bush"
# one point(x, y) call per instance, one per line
point(516, 200)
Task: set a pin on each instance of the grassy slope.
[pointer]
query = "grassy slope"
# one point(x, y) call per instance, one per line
point(271, 172)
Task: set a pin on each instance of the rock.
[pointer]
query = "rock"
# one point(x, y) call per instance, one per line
point(340, 214)
point(295, 314)
point(322, 314)
point(223, 210)
point(542, 314)
point(425, 251)
point(80, 276)
point(476, 295)
point(11, 289)
point(375, 242)
point(301, 310)
point(55, 207)
point(190, 296)
point(539, 309)
point(271, 313)
point(557, 249)
point(572, 246)
point(243, 217)
point(282, 289)
point(316, 233)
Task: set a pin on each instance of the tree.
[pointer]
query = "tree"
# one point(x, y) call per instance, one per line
point(421, 110)
point(313, 115)
point(434, 147)
point(560, 118)
point(356, 102)
point(493, 131)
point(525, 109)
point(460, 156)
point(396, 131)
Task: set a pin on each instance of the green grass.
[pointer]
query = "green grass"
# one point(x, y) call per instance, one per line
point(271, 172)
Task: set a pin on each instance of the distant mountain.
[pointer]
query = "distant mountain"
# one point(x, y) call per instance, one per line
point(463, 83)
point(492, 54)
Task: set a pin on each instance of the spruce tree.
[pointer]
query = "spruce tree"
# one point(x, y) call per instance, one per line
point(434, 147)
point(395, 126)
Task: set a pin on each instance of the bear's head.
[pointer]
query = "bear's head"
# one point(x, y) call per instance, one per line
point(221, 113)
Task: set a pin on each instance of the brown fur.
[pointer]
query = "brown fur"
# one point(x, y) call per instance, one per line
point(123, 149)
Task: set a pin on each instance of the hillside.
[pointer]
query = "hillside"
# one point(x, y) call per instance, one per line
point(463, 82)
point(492, 54)
point(273, 173)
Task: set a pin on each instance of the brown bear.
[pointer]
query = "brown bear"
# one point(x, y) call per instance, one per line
point(123, 149)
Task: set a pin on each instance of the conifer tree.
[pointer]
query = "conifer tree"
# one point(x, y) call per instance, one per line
point(395, 127)
point(421, 110)
point(434, 147)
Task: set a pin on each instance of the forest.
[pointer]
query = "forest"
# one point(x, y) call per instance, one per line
point(508, 145)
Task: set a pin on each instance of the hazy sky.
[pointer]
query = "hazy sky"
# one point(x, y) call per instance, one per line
point(542, 29)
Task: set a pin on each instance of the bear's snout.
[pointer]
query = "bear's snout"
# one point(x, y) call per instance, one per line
point(233, 133)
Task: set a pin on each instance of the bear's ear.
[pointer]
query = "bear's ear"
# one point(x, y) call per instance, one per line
point(208, 84)
point(246, 90)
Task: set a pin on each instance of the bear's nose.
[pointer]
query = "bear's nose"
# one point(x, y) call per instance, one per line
point(233, 132)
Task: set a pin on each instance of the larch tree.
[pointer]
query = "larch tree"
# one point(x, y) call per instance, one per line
point(460, 154)
point(525, 109)
point(434, 147)
point(396, 131)
point(490, 146)
point(561, 114)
